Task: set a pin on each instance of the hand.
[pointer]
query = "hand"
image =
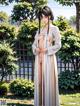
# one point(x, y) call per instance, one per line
point(38, 50)
point(44, 50)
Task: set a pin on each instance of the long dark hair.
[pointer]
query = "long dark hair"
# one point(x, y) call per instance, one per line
point(47, 12)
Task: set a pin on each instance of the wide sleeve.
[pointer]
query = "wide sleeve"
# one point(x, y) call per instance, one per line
point(34, 45)
point(57, 43)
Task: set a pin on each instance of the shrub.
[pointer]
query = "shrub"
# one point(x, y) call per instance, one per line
point(69, 80)
point(7, 60)
point(22, 87)
point(7, 32)
point(62, 23)
point(3, 17)
point(70, 50)
point(4, 88)
point(26, 34)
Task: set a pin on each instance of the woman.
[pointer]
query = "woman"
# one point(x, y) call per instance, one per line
point(47, 42)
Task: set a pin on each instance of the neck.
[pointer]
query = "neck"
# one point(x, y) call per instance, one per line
point(44, 26)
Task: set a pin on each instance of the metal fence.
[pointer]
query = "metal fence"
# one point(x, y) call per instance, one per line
point(26, 65)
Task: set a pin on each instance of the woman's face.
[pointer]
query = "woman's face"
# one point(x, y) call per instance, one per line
point(44, 19)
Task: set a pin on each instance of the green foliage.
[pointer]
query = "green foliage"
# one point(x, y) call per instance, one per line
point(7, 53)
point(66, 2)
point(4, 88)
point(22, 87)
point(3, 17)
point(7, 32)
point(69, 80)
point(77, 4)
point(40, 3)
point(62, 23)
point(22, 11)
point(70, 47)
point(6, 2)
point(27, 10)
point(7, 60)
point(26, 34)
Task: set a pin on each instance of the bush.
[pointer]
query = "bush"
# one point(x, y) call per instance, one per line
point(4, 88)
point(7, 60)
point(70, 50)
point(69, 80)
point(22, 87)
point(7, 32)
point(3, 17)
point(26, 34)
point(62, 23)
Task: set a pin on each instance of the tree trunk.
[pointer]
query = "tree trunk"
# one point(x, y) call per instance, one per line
point(77, 4)
point(2, 77)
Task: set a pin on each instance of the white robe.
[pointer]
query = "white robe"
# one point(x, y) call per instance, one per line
point(49, 73)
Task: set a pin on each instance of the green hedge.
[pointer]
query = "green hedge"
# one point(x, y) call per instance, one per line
point(4, 88)
point(22, 87)
point(69, 80)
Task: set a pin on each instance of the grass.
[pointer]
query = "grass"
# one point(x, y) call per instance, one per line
point(16, 100)
point(72, 99)
point(66, 99)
